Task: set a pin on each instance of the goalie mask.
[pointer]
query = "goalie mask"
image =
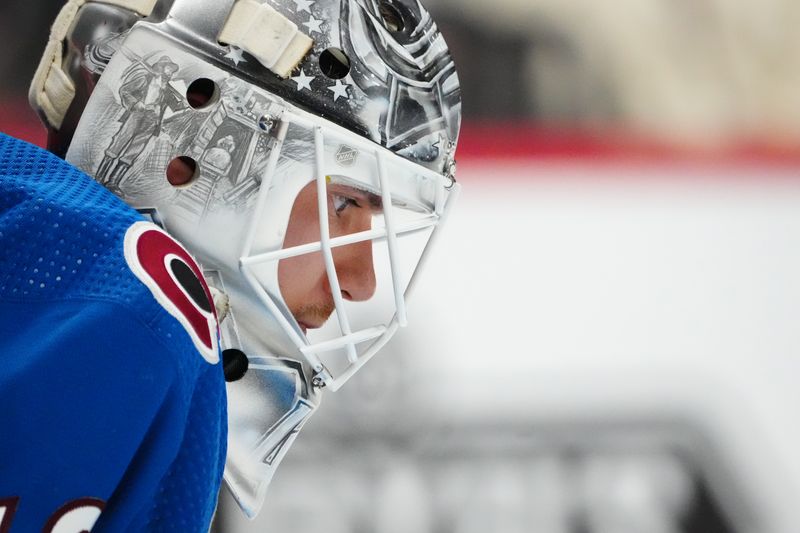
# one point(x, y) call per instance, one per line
point(315, 143)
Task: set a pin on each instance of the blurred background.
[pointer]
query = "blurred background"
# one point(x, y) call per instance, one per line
point(608, 339)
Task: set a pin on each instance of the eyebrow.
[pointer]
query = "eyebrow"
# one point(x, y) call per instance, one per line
point(375, 201)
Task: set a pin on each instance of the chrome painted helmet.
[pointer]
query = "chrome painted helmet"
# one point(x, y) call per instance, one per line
point(302, 150)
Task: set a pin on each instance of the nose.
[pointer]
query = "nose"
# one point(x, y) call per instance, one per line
point(356, 271)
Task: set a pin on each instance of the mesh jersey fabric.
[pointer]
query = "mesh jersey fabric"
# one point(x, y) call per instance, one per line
point(104, 394)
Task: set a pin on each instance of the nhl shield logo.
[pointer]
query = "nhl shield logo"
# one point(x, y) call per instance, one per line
point(346, 156)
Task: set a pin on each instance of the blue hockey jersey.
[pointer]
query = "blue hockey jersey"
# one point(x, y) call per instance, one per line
point(112, 398)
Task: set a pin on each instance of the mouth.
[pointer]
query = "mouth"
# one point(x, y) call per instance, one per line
point(312, 316)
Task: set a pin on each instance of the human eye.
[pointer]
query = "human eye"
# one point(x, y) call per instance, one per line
point(341, 202)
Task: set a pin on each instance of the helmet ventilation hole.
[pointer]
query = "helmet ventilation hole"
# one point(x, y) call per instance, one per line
point(392, 18)
point(202, 93)
point(182, 171)
point(334, 63)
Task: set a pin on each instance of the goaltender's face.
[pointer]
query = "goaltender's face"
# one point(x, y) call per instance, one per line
point(303, 279)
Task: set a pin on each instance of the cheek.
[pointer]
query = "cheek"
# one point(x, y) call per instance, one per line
point(303, 225)
point(300, 278)
point(353, 221)
point(301, 232)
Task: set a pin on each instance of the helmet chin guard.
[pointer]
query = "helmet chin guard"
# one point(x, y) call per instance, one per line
point(316, 191)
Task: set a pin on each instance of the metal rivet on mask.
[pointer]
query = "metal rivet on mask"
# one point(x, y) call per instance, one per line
point(450, 173)
point(450, 164)
point(266, 123)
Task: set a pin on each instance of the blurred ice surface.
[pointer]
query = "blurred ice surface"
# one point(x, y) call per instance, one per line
point(605, 349)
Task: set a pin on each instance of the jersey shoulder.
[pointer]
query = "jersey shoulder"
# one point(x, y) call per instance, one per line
point(62, 230)
point(67, 237)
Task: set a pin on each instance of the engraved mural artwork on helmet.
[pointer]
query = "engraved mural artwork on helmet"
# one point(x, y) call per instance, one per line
point(401, 90)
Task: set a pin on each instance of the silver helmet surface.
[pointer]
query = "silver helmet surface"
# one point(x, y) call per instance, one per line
point(302, 150)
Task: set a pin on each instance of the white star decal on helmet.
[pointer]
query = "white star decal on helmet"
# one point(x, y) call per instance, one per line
point(236, 55)
point(313, 25)
point(303, 81)
point(339, 90)
point(304, 5)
